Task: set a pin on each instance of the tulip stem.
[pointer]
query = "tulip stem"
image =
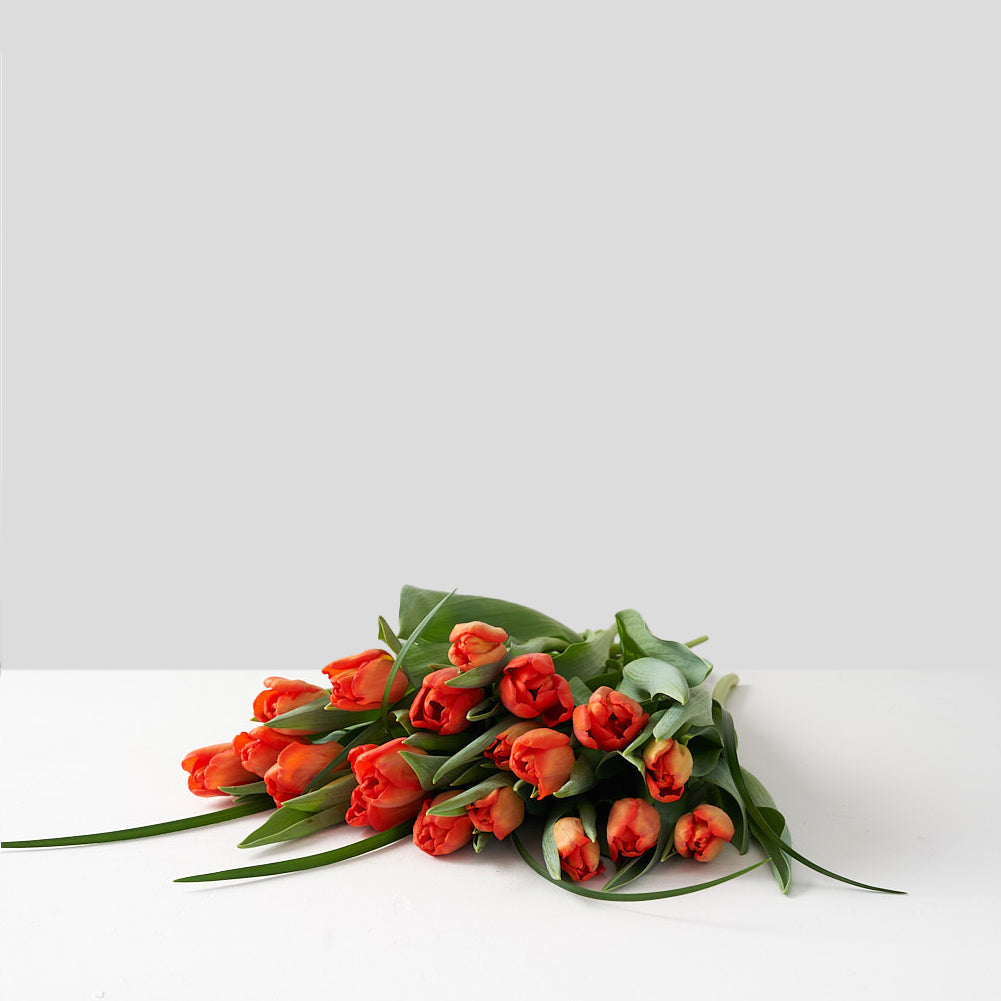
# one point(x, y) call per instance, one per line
point(696, 641)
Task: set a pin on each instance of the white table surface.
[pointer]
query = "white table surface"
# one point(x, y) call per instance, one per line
point(885, 776)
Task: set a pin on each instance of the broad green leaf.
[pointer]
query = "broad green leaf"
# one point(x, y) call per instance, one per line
point(539, 644)
point(581, 779)
point(637, 641)
point(725, 723)
point(585, 659)
point(478, 677)
point(521, 623)
point(388, 637)
point(584, 891)
point(588, 818)
point(425, 766)
point(648, 676)
point(308, 861)
point(287, 825)
point(697, 711)
point(332, 794)
point(580, 692)
point(456, 806)
point(255, 805)
point(474, 749)
point(720, 777)
point(317, 717)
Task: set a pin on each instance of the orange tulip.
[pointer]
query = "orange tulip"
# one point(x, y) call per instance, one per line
point(441, 708)
point(543, 758)
point(702, 833)
point(441, 835)
point(388, 790)
point(297, 765)
point(500, 750)
point(281, 696)
point(475, 644)
point(608, 720)
point(633, 828)
point(259, 749)
point(359, 682)
point(217, 765)
point(500, 811)
point(668, 767)
point(531, 688)
point(579, 855)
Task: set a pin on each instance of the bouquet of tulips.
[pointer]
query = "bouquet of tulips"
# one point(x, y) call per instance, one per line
point(481, 715)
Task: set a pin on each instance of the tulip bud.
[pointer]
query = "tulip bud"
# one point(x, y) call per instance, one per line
point(297, 765)
point(543, 758)
point(441, 835)
point(668, 767)
point(358, 683)
point(609, 720)
point(475, 644)
point(214, 766)
point(531, 688)
point(500, 812)
point(281, 696)
point(579, 855)
point(633, 828)
point(441, 708)
point(702, 833)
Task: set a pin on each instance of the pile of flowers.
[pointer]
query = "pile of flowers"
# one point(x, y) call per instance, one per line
point(479, 717)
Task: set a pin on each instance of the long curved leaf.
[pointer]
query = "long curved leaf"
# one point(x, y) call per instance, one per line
point(306, 861)
point(256, 805)
point(583, 891)
point(729, 734)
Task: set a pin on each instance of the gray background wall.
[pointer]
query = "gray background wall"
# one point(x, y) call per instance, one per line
point(686, 308)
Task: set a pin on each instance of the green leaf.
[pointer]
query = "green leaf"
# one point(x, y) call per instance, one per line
point(720, 777)
point(583, 891)
point(247, 789)
point(318, 717)
point(521, 623)
point(697, 711)
point(725, 723)
point(585, 659)
point(456, 806)
point(550, 853)
point(425, 766)
point(581, 779)
point(245, 809)
point(580, 692)
point(478, 677)
point(332, 794)
point(588, 818)
point(428, 741)
point(473, 749)
point(307, 861)
point(637, 641)
point(401, 657)
point(648, 676)
point(287, 825)
point(387, 635)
